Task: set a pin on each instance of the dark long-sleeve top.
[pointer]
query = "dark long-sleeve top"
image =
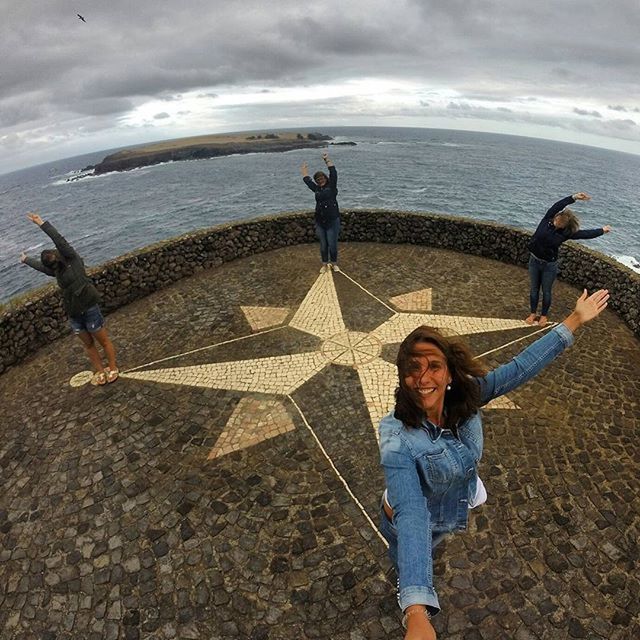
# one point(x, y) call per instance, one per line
point(78, 292)
point(547, 239)
point(326, 204)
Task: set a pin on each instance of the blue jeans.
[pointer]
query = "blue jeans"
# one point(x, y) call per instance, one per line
point(541, 274)
point(328, 237)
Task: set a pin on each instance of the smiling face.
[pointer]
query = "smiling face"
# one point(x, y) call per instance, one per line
point(321, 181)
point(427, 377)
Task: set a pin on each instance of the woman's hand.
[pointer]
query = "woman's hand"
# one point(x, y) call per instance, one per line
point(587, 308)
point(35, 218)
point(23, 256)
point(606, 228)
point(304, 169)
point(418, 625)
point(581, 195)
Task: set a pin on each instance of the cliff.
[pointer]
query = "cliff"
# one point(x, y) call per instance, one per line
point(200, 147)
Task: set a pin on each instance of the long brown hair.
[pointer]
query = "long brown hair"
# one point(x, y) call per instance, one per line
point(461, 401)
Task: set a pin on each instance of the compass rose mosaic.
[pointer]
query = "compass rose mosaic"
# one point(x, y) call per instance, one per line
point(318, 315)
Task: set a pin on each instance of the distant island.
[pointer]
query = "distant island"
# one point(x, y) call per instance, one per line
point(200, 147)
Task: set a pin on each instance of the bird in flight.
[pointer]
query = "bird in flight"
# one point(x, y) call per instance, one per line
point(80, 17)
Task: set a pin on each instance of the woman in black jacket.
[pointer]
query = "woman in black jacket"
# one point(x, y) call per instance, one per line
point(558, 225)
point(327, 213)
point(80, 299)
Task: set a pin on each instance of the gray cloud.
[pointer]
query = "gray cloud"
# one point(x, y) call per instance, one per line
point(584, 112)
point(161, 116)
point(54, 68)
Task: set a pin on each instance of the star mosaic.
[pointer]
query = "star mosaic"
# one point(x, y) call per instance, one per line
point(320, 315)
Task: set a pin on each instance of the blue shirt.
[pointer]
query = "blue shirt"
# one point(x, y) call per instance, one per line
point(431, 474)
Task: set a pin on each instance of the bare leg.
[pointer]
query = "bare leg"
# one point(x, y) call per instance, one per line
point(91, 350)
point(103, 338)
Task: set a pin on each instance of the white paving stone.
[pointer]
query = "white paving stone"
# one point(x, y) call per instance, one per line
point(320, 314)
point(419, 300)
point(265, 317)
point(251, 422)
point(379, 380)
point(279, 374)
point(399, 326)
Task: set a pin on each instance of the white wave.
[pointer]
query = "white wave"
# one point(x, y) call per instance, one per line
point(629, 261)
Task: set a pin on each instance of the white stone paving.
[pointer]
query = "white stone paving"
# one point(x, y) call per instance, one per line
point(419, 300)
point(400, 325)
point(251, 422)
point(265, 317)
point(278, 374)
point(379, 380)
point(320, 313)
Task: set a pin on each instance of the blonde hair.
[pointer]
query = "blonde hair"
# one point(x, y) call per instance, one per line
point(570, 221)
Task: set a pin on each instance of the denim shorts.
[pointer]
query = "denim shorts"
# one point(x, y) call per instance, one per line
point(91, 321)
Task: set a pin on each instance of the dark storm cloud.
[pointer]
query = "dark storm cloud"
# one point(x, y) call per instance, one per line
point(587, 52)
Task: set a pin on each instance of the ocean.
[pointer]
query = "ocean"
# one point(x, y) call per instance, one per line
point(507, 179)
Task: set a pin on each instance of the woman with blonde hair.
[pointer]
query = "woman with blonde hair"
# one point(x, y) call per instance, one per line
point(558, 225)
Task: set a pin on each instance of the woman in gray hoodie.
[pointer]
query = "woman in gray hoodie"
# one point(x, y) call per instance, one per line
point(80, 298)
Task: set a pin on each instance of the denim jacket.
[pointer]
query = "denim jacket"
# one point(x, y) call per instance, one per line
point(431, 475)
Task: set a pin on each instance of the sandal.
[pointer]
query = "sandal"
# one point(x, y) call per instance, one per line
point(112, 374)
point(99, 378)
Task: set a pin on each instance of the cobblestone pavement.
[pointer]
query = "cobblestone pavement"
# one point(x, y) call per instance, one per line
point(228, 484)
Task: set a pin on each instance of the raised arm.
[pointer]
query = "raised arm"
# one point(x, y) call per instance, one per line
point(558, 207)
point(34, 263)
point(65, 249)
point(304, 170)
point(528, 363)
point(333, 173)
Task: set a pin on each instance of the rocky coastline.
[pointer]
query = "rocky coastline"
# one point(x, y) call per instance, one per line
point(203, 147)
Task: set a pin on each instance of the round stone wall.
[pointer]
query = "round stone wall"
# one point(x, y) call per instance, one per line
point(40, 318)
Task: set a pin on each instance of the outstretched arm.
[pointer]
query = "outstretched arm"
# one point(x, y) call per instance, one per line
point(559, 206)
point(65, 249)
point(528, 363)
point(412, 520)
point(587, 234)
point(34, 263)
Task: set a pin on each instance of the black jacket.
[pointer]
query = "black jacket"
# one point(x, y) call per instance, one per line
point(547, 239)
point(326, 204)
point(78, 292)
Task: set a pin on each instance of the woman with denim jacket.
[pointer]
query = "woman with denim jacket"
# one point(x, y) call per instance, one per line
point(431, 445)
point(80, 299)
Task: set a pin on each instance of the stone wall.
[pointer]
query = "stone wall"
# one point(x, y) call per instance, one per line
point(39, 318)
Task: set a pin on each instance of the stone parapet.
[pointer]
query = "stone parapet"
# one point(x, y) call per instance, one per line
point(39, 318)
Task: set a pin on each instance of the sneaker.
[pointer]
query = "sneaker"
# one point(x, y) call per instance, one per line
point(324, 268)
point(335, 267)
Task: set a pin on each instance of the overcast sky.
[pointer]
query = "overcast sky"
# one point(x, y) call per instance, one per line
point(151, 70)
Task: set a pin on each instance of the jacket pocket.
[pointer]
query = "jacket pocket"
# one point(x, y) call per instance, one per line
point(438, 468)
